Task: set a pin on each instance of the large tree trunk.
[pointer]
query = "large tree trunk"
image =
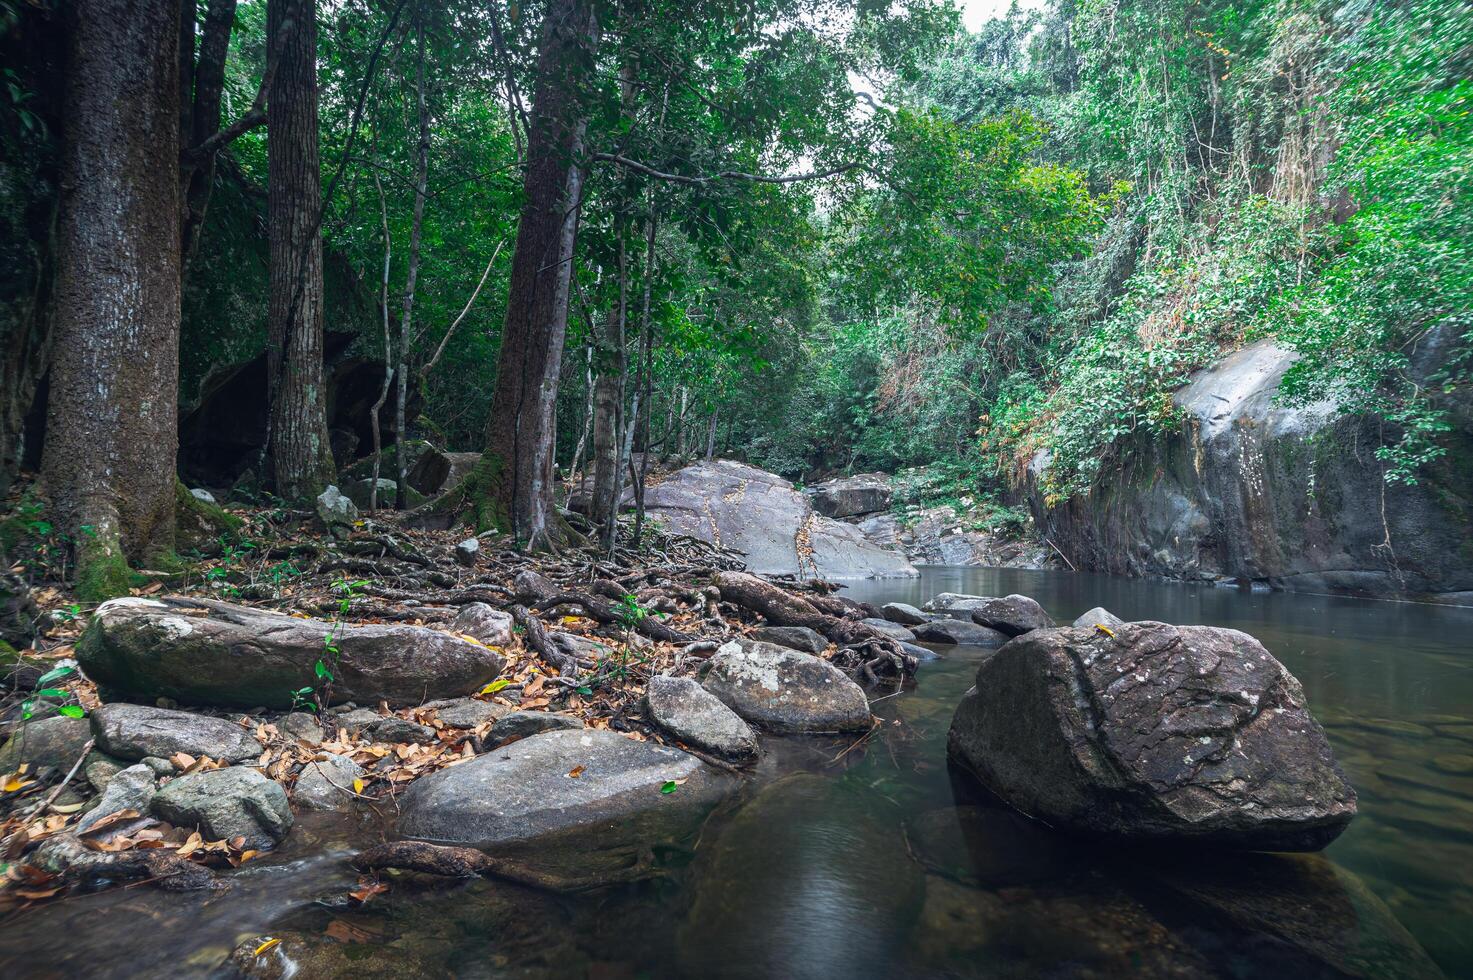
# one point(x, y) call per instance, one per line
point(608, 407)
point(201, 87)
point(112, 432)
point(300, 453)
point(421, 186)
point(512, 490)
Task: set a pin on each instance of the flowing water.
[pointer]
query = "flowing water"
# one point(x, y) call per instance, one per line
point(849, 859)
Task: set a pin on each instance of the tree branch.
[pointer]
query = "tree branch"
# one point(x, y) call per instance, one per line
point(448, 333)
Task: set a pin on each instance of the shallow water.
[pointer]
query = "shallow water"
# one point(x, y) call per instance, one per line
point(875, 860)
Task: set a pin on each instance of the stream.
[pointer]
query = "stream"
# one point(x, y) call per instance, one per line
point(848, 859)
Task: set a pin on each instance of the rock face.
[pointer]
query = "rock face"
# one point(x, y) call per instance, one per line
point(579, 790)
point(940, 536)
point(786, 691)
point(1183, 734)
point(227, 803)
point(1013, 615)
point(1292, 497)
point(773, 524)
point(891, 629)
point(695, 716)
point(467, 712)
point(135, 731)
point(215, 653)
point(955, 602)
point(851, 496)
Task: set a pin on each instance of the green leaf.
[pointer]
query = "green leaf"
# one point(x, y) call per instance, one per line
point(72, 711)
point(322, 672)
point(495, 685)
point(51, 692)
point(56, 674)
point(668, 788)
point(585, 690)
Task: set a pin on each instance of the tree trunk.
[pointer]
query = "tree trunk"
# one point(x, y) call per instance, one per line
point(201, 85)
point(383, 393)
point(421, 185)
point(646, 368)
point(298, 444)
point(512, 491)
point(711, 435)
point(608, 406)
point(111, 417)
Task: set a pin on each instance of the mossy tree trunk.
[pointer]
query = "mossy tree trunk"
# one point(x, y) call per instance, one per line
point(298, 445)
point(513, 483)
point(112, 431)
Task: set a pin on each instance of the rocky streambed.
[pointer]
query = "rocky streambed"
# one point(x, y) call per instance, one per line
point(795, 821)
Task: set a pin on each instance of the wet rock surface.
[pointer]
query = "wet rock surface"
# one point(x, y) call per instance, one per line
point(692, 714)
point(775, 526)
point(1157, 732)
point(226, 803)
point(134, 731)
point(214, 653)
point(903, 613)
point(129, 789)
point(785, 691)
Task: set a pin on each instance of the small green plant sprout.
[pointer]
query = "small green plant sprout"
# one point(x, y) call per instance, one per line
point(325, 669)
point(68, 709)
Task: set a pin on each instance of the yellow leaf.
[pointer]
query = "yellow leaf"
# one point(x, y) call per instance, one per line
point(1105, 630)
point(12, 784)
point(358, 786)
point(266, 945)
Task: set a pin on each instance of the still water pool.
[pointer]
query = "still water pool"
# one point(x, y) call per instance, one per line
point(874, 859)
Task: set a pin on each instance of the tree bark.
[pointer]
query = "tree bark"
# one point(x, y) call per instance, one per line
point(421, 185)
point(383, 393)
point(608, 407)
point(512, 491)
point(112, 432)
point(298, 444)
point(201, 84)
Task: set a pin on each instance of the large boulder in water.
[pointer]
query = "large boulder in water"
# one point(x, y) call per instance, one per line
point(566, 809)
point(785, 691)
point(851, 496)
point(215, 653)
point(1156, 732)
point(765, 518)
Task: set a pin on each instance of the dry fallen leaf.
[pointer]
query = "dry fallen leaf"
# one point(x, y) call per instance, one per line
point(367, 888)
point(577, 771)
point(268, 944)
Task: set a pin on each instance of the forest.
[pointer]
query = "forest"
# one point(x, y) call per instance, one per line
point(388, 383)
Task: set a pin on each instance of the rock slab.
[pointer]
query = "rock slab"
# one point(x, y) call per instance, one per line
point(697, 717)
point(136, 731)
point(786, 691)
point(851, 496)
point(227, 803)
point(215, 653)
point(1183, 734)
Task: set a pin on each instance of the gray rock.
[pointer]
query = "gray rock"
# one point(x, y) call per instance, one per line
point(786, 691)
point(336, 510)
point(394, 729)
point(435, 470)
point(327, 784)
point(360, 492)
point(467, 551)
point(356, 719)
point(129, 789)
point(467, 712)
point(226, 803)
point(922, 654)
point(100, 768)
point(954, 602)
point(893, 630)
point(692, 714)
point(761, 515)
point(57, 742)
point(941, 536)
point(904, 614)
point(215, 653)
point(1184, 734)
point(491, 626)
point(133, 731)
point(160, 767)
point(793, 637)
point(203, 495)
point(301, 726)
point(523, 724)
point(851, 496)
point(1098, 616)
point(1012, 614)
point(554, 805)
point(960, 632)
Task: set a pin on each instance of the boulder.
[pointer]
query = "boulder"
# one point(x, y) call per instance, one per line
point(793, 637)
point(695, 716)
point(1012, 614)
point(100, 768)
point(522, 724)
point(203, 496)
point(959, 632)
point(786, 691)
point(566, 809)
point(466, 712)
point(56, 742)
point(954, 602)
point(336, 511)
point(893, 630)
point(128, 789)
point(214, 653)
point(1184, 734)
point(301, 726)
point(922, 654)
point(327, 783)
point(226, 803)
point(133, 731)
point(360, 492)
point(355, 720)
point(942, 536)
point(467, 551)
point(851, 496)
point(765, 518)
point(436, 471)
point(396, 730)
point(491, 626)
point(1098, 616)
point(904, 614)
